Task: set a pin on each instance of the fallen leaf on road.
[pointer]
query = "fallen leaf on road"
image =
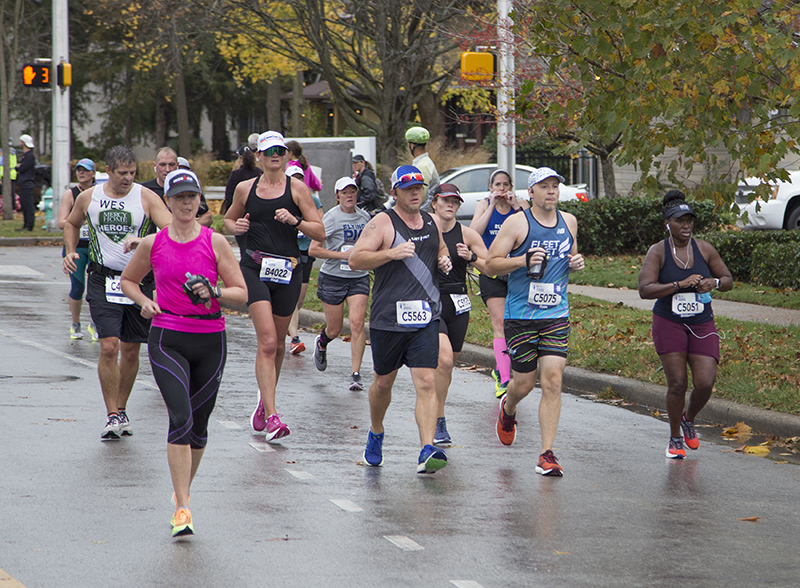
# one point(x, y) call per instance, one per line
point(740, 431)
point(563, 552)
point(750, 519)
point(754, 450)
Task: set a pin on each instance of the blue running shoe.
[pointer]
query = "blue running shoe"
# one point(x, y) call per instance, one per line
point(441, 436)
point(431, 459)
point(373, 452)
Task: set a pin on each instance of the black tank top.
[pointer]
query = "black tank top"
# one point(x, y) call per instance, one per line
point(670, 272)
point(414, 278)
point(456, 281)
point(76, 190)
point(267, 234)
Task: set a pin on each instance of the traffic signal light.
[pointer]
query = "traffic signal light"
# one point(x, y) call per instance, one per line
point(64, 74)
point(36, 75)
point(477, 66)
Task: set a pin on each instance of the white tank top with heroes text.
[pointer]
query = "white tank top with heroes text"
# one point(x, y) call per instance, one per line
point(111, 221)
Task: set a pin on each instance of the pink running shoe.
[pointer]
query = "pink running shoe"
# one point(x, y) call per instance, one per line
point(275, 428)
point(259, 418)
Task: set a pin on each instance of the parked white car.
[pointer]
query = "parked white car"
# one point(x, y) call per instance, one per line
point(473, 182)
point(780, 211)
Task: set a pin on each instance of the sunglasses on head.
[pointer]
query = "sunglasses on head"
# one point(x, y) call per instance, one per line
point(277, 150)
point(410, 178)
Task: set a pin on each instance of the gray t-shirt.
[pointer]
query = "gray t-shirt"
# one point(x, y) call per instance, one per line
point(342, 230)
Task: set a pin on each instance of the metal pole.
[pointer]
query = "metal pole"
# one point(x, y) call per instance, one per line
point(60, 172)
point(506, 128)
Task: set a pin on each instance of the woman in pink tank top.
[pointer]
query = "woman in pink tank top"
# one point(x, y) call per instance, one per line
point(186, 345)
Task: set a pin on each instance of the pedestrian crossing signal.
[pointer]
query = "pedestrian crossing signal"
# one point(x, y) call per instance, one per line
point(36, 75)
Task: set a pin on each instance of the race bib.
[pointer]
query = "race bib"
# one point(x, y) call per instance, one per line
point(345, 266)
point(114, 291)
point(544, 295)
point(687, 304)
point(461, 302)
point(276, 269)
point(413, 313)
point(84, 232)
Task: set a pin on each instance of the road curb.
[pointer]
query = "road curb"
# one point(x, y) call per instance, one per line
point(580, 381)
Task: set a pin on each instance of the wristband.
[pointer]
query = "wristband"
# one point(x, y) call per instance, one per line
point(474, 257)
point(215, 292)
point(675, 286)
point(717, 286)
point(297, 224)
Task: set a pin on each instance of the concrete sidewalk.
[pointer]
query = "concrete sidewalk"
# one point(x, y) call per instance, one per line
point(581, 381)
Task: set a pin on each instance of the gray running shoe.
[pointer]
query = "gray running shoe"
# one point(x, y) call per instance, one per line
point(355, 382)
point(111, 430)
point(441, 436)
point(320, 355)
point(124, 424)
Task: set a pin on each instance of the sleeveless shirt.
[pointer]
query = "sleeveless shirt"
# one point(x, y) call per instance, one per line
point(111, 221)
point(493, 226)
point(670, 272)
point(413, 278)
point(551, 301)
point(456, 281)
point(171, 261)
point(267, 234)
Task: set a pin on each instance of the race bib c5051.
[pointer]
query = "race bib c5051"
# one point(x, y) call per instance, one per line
point(687, 304)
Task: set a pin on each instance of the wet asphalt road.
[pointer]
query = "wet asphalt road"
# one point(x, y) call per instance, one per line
point(75, 511)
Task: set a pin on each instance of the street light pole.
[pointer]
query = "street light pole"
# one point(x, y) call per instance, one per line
point(60, 172)
point(506, 128)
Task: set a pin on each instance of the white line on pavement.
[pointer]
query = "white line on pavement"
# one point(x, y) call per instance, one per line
point(404, 542)
point(465, 584)
point(262, 447)
point(300, 474)
point(229, 424)
point(347, 505)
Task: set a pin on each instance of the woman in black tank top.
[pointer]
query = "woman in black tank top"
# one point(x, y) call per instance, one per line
point(680, 272)
point(464, 246)
point(268, 211)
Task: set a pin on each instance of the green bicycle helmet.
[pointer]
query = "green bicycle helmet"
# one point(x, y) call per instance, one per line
point(417, 135)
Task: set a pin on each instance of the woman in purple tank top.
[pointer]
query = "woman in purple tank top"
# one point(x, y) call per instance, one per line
point(186, 345)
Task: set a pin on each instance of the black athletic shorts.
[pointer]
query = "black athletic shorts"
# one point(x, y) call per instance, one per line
point(492, 287)
point(334, 290)
point(282, 296)
point(123, 321)
point(304, 265)
point(453, 325)
point(414, 348)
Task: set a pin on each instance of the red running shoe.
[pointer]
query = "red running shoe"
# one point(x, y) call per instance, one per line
point(675, 448)
point(296, 346)
point(506, 425)
point(689, 434)
point(548, 465)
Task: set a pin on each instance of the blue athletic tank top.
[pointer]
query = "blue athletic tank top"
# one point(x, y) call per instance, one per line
point(493, 226)
point(546, 298)
point(411, 279)
point(267, 234)
point(688, 305)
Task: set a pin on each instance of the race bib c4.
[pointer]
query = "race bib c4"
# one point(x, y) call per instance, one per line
point(114, 291)
point(461, 302)
point(413, 313)
point(544, 295)
point(687, 304)
point(344, 265)
point(276, 269)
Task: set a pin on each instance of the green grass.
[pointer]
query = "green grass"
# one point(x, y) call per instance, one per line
point(758, 365)
point(622, 271)
point(8, 228)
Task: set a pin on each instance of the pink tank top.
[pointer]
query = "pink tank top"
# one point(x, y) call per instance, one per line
point(171, 261)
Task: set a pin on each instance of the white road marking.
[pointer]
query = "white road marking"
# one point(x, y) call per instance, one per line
point(19, 271)
point(466, 584)
point(300, 474)
point(229, 424)
point(262, 447)
point(347, 505)
point(404, 542)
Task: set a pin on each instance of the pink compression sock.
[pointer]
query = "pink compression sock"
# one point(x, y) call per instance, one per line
point(502, 359)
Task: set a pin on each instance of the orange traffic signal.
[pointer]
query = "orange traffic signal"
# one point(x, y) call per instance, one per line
point(36, 75)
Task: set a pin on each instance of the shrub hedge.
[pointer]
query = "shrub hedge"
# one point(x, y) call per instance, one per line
point(748, 255)
point(629, 225)
point(777, 265)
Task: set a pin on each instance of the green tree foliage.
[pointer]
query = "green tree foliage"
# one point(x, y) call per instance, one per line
point(645, 76)
point(379, 57)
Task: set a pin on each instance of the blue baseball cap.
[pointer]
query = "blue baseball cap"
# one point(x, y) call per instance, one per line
point(406, 176)
point(86, 164)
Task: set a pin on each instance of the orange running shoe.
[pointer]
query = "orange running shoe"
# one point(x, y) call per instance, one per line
point(182, 522)
point(506, 425)
point(548, 465)
point(296, 346)
point(689, 434)
point(675, 448)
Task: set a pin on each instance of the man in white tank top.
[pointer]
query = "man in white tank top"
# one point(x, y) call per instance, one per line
point(118, 213)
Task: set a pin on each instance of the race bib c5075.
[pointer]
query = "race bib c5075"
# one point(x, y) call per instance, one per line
point(543, 295)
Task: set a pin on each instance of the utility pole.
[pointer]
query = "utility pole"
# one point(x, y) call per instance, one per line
point(60, 172)
point(506, 128)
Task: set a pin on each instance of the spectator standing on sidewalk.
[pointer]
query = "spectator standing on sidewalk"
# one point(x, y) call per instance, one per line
point(26, 181)
point(417, 139)
point(680, 272)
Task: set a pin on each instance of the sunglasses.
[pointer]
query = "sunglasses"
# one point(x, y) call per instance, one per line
point(410, 178)
point(277, 150)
